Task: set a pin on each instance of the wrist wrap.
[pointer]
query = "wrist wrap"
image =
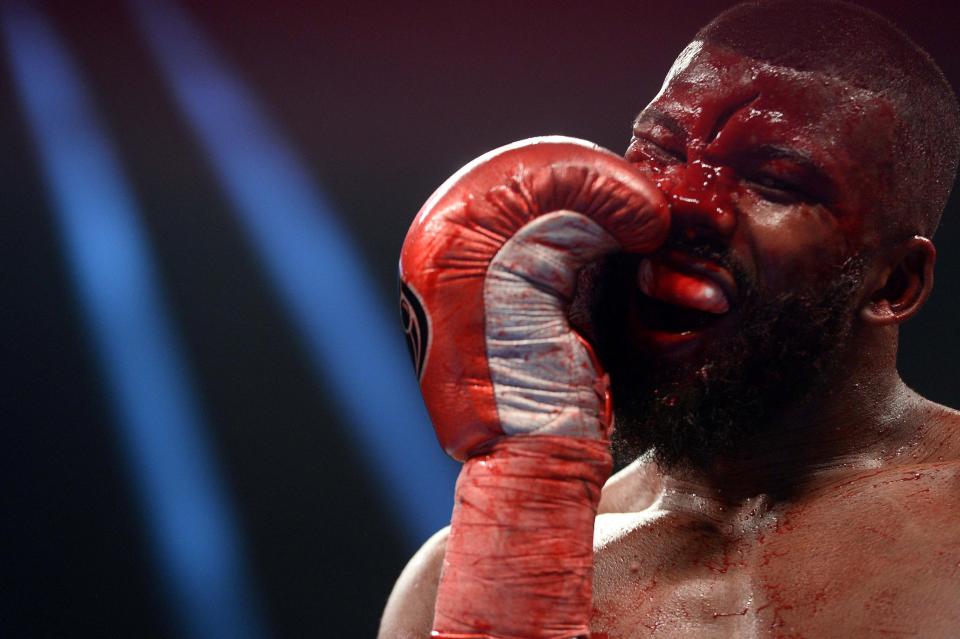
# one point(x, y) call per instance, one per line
point(519, 560)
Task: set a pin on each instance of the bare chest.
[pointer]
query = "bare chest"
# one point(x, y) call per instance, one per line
point(870, 563)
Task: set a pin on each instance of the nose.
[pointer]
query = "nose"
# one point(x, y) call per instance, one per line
point(701, 201)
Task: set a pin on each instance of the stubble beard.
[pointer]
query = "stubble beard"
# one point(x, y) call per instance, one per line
point(688, 415)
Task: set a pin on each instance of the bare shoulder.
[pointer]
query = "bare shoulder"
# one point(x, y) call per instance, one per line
point(409, 611)
point(632, 489)
point(923, 480)
point(921, 497)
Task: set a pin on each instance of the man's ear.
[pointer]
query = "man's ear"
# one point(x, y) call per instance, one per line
point(903, 285)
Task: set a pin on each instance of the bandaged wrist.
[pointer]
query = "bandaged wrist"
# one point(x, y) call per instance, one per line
point(519, 560)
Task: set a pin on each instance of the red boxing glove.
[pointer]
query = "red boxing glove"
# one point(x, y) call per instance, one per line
point(487, 273)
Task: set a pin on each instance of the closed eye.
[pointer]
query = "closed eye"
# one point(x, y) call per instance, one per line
point(785, 175)
point(776, 190)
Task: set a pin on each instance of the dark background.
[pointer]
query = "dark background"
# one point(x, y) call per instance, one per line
point(381, 103)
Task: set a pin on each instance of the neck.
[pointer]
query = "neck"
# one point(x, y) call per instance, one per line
point(858, 419)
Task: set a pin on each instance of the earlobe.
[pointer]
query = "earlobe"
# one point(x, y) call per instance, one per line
point(904, 285)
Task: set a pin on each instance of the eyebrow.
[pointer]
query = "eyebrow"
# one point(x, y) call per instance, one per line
point(656, 116)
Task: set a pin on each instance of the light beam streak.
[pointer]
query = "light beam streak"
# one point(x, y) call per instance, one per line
point(356, 346)
point(188, 520)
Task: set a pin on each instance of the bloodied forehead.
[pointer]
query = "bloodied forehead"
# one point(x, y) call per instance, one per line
point(716, 97)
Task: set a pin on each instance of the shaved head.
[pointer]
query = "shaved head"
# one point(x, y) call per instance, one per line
point(859, 47)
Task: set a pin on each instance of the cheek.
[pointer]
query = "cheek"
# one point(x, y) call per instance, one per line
point(792, 244)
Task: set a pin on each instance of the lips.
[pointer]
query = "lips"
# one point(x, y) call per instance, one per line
point(682, 294)
point(663, 282)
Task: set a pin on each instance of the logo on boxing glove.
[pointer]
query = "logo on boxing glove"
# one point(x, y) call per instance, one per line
point(415, 326)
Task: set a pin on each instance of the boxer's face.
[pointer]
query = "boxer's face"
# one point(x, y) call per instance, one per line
point(779, 169)
point(775, 179)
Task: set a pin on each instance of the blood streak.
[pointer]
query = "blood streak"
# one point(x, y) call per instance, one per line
point(743, 612)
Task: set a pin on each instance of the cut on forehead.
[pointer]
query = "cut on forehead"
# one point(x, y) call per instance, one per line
point(860, 47)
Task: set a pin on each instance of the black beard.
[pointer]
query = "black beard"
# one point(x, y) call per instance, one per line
point(690, 415)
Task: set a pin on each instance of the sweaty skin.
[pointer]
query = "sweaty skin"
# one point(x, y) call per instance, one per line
point(839, 520)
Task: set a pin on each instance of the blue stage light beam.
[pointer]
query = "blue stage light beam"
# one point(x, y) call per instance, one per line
point(189, 523)
point(355, 344)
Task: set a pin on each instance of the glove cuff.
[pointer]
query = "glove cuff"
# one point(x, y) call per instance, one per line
point(519, 559)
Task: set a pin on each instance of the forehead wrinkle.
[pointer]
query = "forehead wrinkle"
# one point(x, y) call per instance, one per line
point(729, 113)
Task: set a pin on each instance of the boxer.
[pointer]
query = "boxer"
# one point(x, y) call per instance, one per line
point(734, 286)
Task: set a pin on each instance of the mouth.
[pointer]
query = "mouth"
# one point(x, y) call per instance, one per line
point(680, 298)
